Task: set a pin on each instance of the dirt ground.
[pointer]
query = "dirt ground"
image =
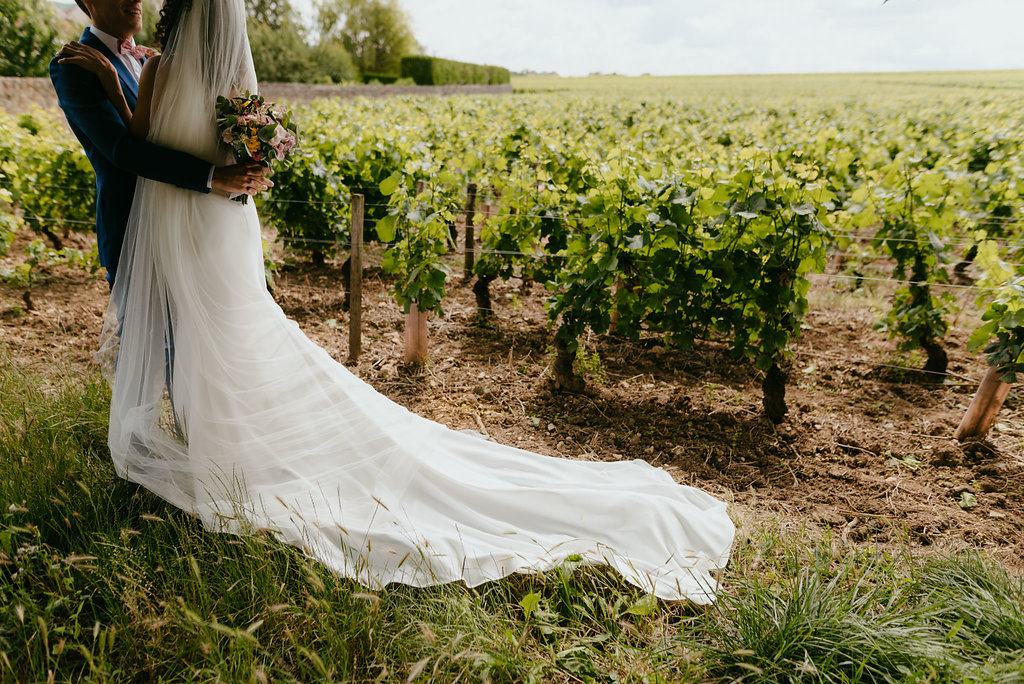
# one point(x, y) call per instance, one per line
point(867, 452)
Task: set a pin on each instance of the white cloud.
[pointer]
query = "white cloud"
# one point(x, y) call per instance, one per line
point(576, 37)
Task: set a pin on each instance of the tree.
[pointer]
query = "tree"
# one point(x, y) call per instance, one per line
point(281, 54)
point(273, 13)
point(333, 63)
point(28, 37)
point(279, 48)
point(377, 33)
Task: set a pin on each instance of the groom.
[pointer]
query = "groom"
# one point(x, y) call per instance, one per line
point(116, 157)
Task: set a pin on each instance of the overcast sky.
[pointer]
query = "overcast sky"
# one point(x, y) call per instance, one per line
point(577, 37)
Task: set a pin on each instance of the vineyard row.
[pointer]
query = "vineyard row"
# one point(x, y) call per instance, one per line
point(635, 219)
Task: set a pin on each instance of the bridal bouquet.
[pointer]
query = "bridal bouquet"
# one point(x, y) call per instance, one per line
point(255, 129)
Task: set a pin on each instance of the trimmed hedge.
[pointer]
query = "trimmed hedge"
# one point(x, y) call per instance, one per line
point(434, 71)
point(383, 79)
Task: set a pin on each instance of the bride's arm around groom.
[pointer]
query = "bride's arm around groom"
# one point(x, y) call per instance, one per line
point(116, 156)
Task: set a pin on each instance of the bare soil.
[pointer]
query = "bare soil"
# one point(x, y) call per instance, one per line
point(867, 452)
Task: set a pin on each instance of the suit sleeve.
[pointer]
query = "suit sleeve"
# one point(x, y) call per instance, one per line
point(87, 108)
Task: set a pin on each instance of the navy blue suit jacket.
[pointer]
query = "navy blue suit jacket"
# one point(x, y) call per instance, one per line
point(116, 156)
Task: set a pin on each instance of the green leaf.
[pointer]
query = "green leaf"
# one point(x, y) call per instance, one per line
point(390, 184)
point(470, 161)
point(529, 603)
point(1013, 320)
point(645, 607)
point(955, 629)
point(981, 336)
point(608, 262)
point(386, 228)
point(266, 134)
point(448, 178)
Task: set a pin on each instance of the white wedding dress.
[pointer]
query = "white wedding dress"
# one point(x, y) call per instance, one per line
point(269, 432)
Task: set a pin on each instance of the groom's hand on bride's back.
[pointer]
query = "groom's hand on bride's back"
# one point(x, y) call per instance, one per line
point(247, 178)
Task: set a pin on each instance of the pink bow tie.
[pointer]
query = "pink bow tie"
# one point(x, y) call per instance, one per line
point(128, 47)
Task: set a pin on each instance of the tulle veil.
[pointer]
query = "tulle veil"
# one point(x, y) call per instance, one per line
point(206, 55)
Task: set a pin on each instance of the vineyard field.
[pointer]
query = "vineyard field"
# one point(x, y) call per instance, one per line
point(784, 290)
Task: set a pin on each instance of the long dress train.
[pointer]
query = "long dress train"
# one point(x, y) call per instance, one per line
point(268, 431)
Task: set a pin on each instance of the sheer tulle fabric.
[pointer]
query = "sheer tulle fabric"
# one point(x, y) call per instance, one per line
point(225, 409)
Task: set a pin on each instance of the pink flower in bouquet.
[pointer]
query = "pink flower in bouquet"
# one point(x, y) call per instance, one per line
point(281, 151)
point(282, 142)
point(226, 136)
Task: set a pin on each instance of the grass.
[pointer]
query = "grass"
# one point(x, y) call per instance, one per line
point(101, 581)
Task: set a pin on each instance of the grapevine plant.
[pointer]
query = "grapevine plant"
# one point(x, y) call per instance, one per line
point(309, 204)
point(55, 186)
point(530, 230)
point(1002, 334)
point(416, 228)
point(696, 256)
point(996, 188)
point(916, 216)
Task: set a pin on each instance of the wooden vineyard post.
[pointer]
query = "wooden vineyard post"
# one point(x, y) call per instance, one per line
point(416, 335)
point(981, 415)
point(355, 320)
point(470, 237)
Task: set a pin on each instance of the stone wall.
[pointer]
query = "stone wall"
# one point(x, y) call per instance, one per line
point(19, 95)
point(300, 93)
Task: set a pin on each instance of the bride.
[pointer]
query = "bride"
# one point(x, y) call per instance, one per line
point(267, 431)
